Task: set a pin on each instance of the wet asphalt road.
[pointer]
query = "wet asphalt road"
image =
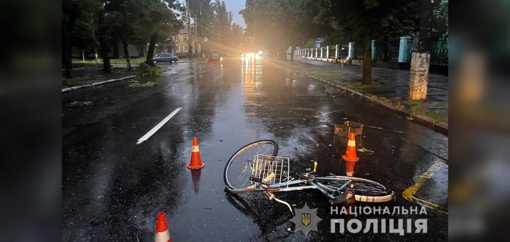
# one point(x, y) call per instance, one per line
point(112, 188)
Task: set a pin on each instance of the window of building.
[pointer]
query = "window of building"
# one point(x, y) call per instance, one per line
point(185, 48)
point(177, 48)
point(185, 38)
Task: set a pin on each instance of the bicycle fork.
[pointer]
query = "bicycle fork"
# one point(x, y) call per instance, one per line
point(262, 184)
point(272, 197)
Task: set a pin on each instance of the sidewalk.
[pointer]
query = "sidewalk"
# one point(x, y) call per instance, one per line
point(389, 88)
point(89, 75)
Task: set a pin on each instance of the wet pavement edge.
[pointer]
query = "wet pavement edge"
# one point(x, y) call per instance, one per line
point(438, 126)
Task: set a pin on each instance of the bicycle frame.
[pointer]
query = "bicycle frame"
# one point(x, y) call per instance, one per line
point(299, 185)
point(271, 174)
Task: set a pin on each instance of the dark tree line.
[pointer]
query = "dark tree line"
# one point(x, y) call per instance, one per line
point(88, 24)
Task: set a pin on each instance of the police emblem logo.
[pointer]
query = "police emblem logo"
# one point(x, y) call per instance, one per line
point(306, 219)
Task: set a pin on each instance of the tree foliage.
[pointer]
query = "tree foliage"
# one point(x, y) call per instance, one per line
point(77, 28)
point(440, 21)
point(277, 24)
point(92, 23)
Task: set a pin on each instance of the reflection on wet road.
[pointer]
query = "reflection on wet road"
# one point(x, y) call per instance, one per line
point(113, 188)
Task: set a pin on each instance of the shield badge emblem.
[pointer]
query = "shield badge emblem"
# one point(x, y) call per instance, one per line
point(306, 219)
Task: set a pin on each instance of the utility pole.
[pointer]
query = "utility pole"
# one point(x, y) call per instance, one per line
point(196, 28)
point(196, 38)
point(188, 19)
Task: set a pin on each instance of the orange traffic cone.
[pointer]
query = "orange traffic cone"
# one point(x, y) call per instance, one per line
point(162, 234)
point(210, 62)
point(350, 156)
point(196, 162)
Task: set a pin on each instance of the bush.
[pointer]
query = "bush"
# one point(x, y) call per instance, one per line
point(146, 84)
point(145, 70)
point(181, 54)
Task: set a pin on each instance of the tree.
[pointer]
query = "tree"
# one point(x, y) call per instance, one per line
point(282, 23)
point(214, 21)
point(158, 21)
point(420, 60)
point(361, 21)
point(104, 35)
point(402, 21)
point(440, 18)
point(222, 20)
point(77, 28)
point(202, 13)
point(121, 18)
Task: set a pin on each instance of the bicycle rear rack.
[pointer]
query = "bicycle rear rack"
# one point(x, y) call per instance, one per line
point(265, 166)
point(348, 127)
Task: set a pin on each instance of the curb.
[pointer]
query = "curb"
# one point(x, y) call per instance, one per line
point(438, 126)
point(69, 89)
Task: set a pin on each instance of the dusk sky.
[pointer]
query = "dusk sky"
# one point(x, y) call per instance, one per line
point(235, 6)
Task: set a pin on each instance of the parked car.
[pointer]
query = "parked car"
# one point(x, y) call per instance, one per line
point(215, 58)
point(165, 58)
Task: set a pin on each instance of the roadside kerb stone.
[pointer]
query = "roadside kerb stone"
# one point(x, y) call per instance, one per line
point(442, 126)
point(68, 89)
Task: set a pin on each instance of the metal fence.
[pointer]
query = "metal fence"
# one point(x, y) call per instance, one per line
point(358, 51)
point(438, 51)
point(387, 51)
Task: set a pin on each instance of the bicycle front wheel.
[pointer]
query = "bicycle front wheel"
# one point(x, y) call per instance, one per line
point(239, 167)
point(364, 190)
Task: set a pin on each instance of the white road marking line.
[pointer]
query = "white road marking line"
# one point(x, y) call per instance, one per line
point(157, 127)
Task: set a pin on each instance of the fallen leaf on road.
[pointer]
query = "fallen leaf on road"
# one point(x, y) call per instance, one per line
point(365, 150)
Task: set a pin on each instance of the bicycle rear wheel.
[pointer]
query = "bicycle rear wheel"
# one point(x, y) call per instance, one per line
point(364, 190)
point(238, 169)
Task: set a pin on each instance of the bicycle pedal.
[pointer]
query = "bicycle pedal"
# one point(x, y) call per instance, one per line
point(342, 199)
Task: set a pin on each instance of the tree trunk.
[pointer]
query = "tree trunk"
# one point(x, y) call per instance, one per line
point(66, 51)
point(291, 54)
point(384, 46)
point(104, 43)
point(115, 44)
point(367, 60)
point(126, 52)
point(190, 55)
point(420, 60)
point(419, 76)
point(150, 52)
point(74, 12)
